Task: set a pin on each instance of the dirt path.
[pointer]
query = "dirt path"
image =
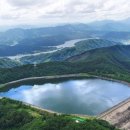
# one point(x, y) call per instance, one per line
point(46, 77)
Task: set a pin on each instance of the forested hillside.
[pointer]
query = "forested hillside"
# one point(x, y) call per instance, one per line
point(16, 116)
point(8, 63)
point(115, 54)
point(65, 53)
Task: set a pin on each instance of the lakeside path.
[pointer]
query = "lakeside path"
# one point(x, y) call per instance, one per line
point(45, 77)
point(83, 75)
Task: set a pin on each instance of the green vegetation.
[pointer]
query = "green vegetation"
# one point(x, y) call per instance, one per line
point(16, 116)
point(99, 67)
point(78, 119)
point(8, 63)
point(65, 53)
point(112, 62)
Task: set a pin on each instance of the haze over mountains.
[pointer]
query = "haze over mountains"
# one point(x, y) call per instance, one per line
point(37, 45)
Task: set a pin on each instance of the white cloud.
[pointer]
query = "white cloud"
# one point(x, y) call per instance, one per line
point(24, 3)
point(61, 11)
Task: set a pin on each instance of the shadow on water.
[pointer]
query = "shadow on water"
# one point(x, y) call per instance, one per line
point(40, 81)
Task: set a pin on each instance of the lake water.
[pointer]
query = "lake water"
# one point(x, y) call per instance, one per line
point(84, 96)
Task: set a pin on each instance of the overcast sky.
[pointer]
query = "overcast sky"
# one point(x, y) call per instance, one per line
point(15, 12)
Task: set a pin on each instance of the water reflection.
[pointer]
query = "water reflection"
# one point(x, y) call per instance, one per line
point(91, 96)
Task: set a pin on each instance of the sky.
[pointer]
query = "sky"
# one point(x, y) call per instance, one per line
point(49, 12)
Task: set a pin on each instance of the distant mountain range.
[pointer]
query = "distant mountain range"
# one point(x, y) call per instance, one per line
point(65, 53)
point(88, 52)
point(71, 31)
point(39, 45)
point(23, 41)
point(111, 25)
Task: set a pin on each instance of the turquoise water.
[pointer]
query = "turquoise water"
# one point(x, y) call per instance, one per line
point(90, 96)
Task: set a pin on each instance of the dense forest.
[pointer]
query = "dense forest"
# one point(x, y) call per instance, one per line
point(16, 116)
point(99, 68)
point(112, 62)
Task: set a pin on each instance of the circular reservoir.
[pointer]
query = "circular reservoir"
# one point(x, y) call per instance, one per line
point(83, 96)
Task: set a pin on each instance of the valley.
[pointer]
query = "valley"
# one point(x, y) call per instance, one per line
point(63, 51)
point(67, 44)
point(70, 61)
point(64, 65)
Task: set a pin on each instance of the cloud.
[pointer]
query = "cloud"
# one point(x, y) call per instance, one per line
point(61, 11)
point(9, 17)
point(24, 3)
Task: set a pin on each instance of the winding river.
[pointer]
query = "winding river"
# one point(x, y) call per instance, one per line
point(79, 96)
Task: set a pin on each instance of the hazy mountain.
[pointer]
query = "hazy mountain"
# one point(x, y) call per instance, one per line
point(73, 30)
point(65, 53)
point(17, 34)
point(111, 25)
point(23, 41)
point(117, 36)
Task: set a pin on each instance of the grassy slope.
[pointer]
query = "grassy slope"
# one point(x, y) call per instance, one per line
point(14, 115)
